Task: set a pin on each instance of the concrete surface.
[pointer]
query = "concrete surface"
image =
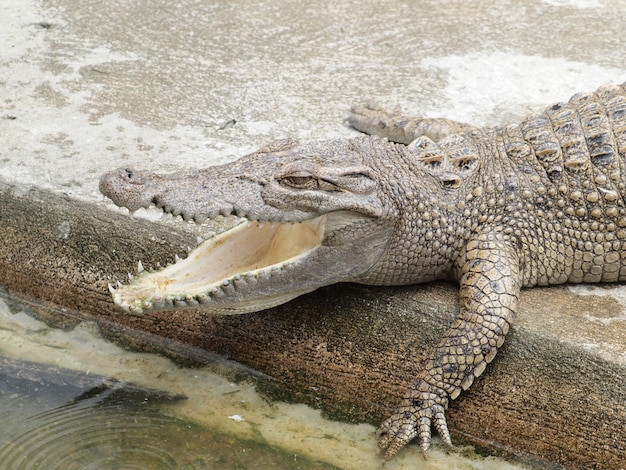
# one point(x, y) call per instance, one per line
point(87, 86)
point(91, 85)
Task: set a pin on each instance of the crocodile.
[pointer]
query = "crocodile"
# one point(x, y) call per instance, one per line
point(412, 200)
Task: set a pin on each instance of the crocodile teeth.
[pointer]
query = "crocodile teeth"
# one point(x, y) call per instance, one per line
point(223, 265)
point(139, 267)
point(218, 293)
point(135, 309)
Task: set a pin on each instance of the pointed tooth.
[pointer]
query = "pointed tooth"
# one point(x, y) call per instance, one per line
point(158, 264)
point(191, 301)
point(176, 259)
point(130, 277)
point(119, 284)
point(135, 309)
point(199, 239)
point(139, 267)
point(112, 289)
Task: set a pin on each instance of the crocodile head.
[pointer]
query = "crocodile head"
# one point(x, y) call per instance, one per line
point(313, 214)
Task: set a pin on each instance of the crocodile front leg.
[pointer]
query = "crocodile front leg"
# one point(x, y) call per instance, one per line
point(374, 120)
point(490, 286)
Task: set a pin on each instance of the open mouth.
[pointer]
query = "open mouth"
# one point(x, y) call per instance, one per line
point(242, 254)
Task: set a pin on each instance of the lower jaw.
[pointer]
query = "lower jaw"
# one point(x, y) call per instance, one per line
point(242, 257)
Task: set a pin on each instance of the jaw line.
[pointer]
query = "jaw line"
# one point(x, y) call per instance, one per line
point(245, 254)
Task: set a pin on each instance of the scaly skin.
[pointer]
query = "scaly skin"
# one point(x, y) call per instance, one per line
point(495, 209)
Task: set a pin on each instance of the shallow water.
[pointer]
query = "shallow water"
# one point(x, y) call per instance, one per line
point(114, 427)
point(71, 400)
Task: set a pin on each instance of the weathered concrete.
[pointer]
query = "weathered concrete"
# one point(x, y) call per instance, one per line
point(89, 84)
point(349, 349)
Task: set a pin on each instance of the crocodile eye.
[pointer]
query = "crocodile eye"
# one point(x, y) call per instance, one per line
point(300, 182)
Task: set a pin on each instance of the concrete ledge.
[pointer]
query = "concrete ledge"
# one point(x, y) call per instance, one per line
point(555, 394)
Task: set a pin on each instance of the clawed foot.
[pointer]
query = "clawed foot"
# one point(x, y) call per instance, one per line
point(419, 412)
point(374, 120)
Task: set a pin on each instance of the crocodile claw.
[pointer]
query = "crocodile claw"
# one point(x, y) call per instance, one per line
point(420, 411)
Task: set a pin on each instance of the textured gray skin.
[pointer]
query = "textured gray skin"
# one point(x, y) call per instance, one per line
point(495, 209)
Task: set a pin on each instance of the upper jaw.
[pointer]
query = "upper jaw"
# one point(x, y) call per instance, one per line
point(239, 209)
